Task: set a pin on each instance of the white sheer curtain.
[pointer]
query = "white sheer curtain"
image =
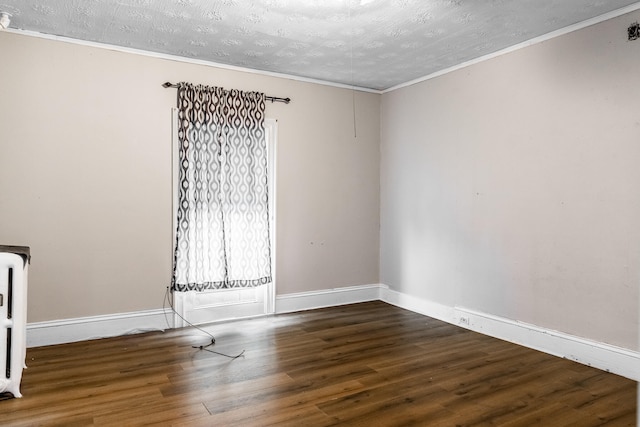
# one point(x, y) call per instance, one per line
point(222, 235)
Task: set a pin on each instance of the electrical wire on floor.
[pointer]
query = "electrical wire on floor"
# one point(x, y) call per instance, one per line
point(168, 299)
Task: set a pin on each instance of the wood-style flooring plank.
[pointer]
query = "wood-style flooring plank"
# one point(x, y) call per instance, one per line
point(369, 364)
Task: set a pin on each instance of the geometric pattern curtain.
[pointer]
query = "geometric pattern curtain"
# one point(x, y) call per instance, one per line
point(222, 238)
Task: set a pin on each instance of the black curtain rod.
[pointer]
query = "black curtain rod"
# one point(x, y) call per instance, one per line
point(268, 98)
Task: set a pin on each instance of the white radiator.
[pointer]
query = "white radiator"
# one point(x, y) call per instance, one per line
point(13, 321)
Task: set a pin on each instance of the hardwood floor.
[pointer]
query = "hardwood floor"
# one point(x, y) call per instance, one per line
point(367, 364)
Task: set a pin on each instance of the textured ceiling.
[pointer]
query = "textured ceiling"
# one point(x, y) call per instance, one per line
point(373, 44)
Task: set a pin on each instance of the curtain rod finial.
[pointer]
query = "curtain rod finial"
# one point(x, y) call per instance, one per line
point(167, 84)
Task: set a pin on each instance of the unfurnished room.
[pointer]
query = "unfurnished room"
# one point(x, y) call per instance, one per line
point(319, 213)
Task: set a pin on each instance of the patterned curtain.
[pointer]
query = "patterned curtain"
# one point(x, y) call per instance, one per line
point(222, 214)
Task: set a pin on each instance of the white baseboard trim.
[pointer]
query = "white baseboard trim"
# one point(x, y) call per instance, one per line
point(93, 327)
point(417, 305)
point(603, 356)
point(288, 303)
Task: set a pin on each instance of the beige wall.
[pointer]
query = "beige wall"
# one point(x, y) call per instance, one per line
point(85, 176)
point(512, 187)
